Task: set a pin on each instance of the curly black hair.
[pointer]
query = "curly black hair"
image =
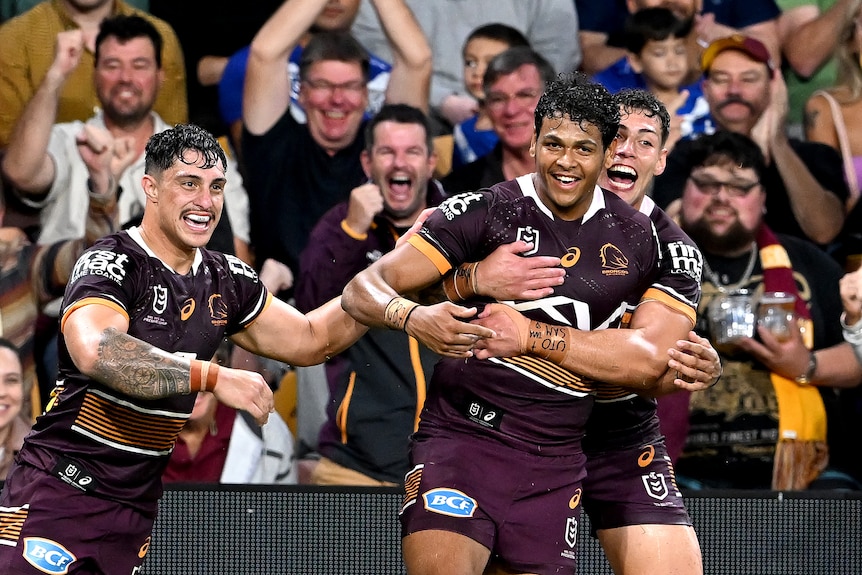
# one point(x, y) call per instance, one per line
point(583, 101)
point(166, 148)
point(631, 100)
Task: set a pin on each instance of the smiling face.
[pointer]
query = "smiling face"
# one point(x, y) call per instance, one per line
point(737, 90)
point(722, 207)
point(639, 156)
point(11, 386)
point(127, 79)
point(334, 96)
point(569, 159)
point(511, 102)
point(184, 204)
point(401, 165)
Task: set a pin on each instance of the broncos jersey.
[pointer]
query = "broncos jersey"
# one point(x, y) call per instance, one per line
point(622, 419)
point(97, 438)
point(611, 256)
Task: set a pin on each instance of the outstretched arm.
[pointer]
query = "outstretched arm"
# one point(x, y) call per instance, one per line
point(410, 80)
point(97, 339)
point(266, 94)
point(27, 163)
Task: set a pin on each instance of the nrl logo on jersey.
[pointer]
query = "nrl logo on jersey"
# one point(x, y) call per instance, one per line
point(655, 485)
point(459, 205)
point(101, 262)
point(160, 299)
point(529, 235)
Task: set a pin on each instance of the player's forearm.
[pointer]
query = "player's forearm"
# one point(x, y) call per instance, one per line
point(619, 356)
point(366, 296)
point(330, 331)
point(136, 368)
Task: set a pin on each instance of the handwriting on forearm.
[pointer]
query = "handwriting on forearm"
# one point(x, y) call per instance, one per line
point(138, 369)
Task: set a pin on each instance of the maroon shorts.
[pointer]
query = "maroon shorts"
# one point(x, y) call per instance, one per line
point(524, 508)
point(633, 487)
point(47, 526)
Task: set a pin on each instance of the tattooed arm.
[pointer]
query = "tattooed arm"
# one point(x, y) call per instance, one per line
point(97, 339)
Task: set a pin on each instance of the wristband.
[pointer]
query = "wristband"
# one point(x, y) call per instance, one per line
point(204, 375)
point(549, 342)
point(398, 311)
point(805, 378)
point(461, 284)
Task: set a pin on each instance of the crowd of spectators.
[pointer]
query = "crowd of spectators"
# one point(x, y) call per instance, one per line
point(764, 159)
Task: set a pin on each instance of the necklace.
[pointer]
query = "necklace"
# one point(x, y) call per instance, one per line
point(746, 275)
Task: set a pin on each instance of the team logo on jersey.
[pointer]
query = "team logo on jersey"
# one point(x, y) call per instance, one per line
point(218, 310)
point(449, 502)
point(572, 531)
point(571, 258)
point(101, 262)
point(530, 235)
point(459, 205)
point(656, 486)
point(47, 556)
point(614, 262)
point(160, 299)
point(645, 458)
point(188, 309)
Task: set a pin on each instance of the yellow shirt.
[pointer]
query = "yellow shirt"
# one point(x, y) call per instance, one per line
point(27, 51)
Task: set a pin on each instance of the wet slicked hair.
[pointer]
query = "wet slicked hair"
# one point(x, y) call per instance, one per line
point(334, 45)
point(632, 100)
point(726, 147)
point(400, 114)
point(125, 28)
point(168, 147)
point(584, 101)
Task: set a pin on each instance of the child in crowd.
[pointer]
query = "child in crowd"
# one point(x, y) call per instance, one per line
point(657, 60)
point(474, 137)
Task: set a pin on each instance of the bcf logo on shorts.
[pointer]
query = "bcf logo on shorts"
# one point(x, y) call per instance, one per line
point(47, 556)
point(449, 502)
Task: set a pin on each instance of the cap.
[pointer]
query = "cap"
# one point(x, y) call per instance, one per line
point(755, 49)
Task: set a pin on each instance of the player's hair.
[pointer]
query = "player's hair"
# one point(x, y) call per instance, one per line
point(401, 114)
point(583, 101)
point(631, 100)
point(500, 32)
point(725, 147)
point(125, 28)
point(653, 25)
point(168, 147)
point(334, 45)
point(508, 61)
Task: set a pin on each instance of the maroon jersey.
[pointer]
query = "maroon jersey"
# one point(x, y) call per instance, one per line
point(100, 440)
point(610, 256)
point(622, 419)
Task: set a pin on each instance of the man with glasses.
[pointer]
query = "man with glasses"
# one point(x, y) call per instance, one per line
point(763, 426)
point(296, 172)
point(747, 95)
point(513, 83)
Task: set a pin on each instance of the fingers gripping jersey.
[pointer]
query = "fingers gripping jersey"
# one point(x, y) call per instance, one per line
point(610, 256)
point(122, 443)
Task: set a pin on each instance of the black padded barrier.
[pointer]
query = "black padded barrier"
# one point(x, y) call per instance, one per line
point(303, 530)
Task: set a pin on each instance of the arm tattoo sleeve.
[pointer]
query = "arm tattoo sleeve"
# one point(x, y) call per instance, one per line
point(138, 369)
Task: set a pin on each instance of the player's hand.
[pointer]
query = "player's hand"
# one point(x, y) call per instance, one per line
point(366, 201)
point(695, 362)
point(506, 275)
point(851, 296)
point(444, 328)
point(67, 54)
point(510, 328)
point(246, 390)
